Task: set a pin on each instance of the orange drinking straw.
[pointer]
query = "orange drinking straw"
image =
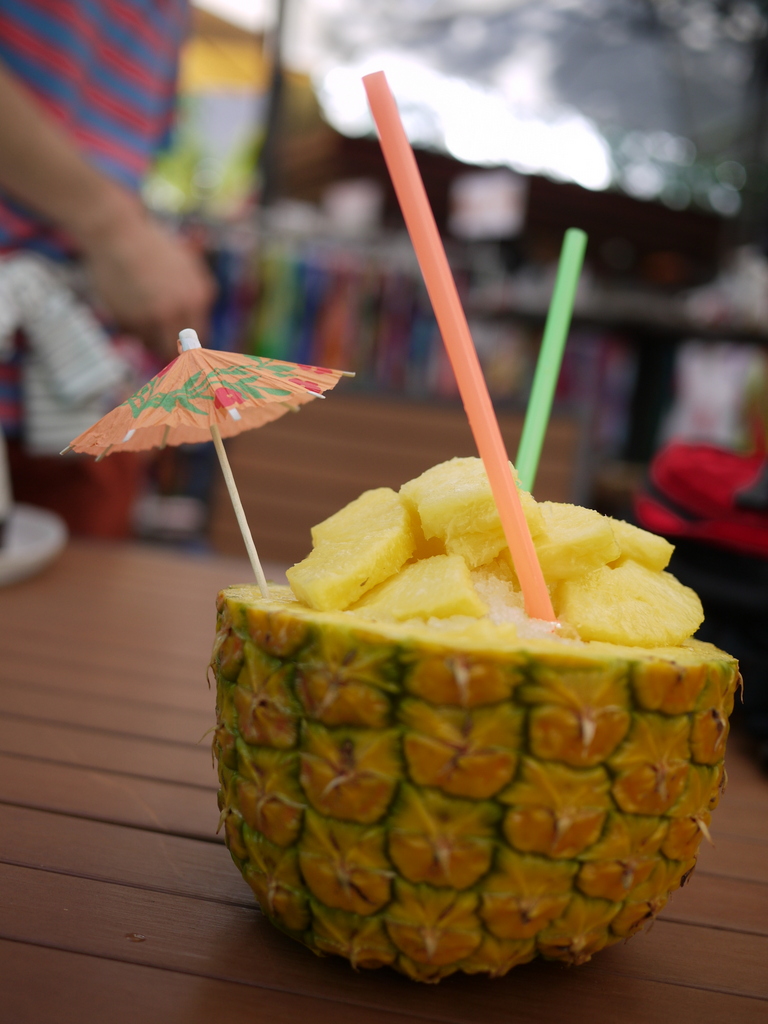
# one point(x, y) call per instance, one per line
point(441, 287)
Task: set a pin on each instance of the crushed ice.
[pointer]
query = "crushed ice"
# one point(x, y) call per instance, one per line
point(506, 607)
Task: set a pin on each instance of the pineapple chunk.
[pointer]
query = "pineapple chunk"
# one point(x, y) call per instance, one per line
point(576, 540)
point(359, 517)
point(440, 586)
point(641, 546)
point(478, 548)
point(423, 548)
point(455, 504)
point(355, 549)
point(630, 605)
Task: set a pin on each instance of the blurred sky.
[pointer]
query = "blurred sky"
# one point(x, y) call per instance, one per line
point(255, 15)
point(601, 92)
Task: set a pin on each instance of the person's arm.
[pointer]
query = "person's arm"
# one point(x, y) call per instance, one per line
point(148, 280)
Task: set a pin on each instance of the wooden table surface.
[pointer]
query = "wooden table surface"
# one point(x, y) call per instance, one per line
point(119, 904)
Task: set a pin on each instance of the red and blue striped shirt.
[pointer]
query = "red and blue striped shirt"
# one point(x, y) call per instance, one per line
point(106, 71)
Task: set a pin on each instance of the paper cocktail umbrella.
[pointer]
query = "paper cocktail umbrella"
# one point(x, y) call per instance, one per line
point(204, 394)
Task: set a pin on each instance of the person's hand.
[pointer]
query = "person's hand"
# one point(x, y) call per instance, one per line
point(148, 281)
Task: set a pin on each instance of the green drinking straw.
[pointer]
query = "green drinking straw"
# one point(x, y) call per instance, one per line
point(550, 356)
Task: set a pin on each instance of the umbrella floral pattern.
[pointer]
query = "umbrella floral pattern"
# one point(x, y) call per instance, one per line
point(205, 395)
point(202, 388)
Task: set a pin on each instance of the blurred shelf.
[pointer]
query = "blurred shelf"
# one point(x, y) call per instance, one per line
point(633, 309)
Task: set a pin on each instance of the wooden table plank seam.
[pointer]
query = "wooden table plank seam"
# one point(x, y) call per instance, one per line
point(109, 659)
point(111, 772)
point(261, 985)
point(117, 701)
point(712, 926)
point(213, 976)
point(740, 837)
point(709, 873)
point(216, 840)
point(118, 733)
point(599, 969)
point(163, 890)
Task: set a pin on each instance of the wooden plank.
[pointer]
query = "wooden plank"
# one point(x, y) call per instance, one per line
point(134, 640)
point(98, 795)
point(308, 475)
point(109, 584)
point(271, 537)
point(92, 640)
point(59, 987)
point(441, 431)
point(744, 774)
point(732, 857)
point(188, 692)
point(90, 633)
point(35, 703)
point(112, 571)
point(188, 763)
point(680, 954)
point(738, 817)
point(236, 944)
point(124, 609)
point(115, 853)
point(143, 620)
point(359, 466)
point(68, 988)
point(720, 903)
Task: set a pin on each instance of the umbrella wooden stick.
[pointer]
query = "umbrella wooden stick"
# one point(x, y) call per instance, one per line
point(242, 522)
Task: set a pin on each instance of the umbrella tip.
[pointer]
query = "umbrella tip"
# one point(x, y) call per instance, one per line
point(188, 339)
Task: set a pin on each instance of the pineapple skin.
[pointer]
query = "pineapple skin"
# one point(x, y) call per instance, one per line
point(435, 803)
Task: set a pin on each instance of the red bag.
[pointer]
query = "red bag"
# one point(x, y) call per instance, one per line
point(708, 494)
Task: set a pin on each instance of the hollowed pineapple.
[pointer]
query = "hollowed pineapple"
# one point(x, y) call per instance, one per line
point(440, 794)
